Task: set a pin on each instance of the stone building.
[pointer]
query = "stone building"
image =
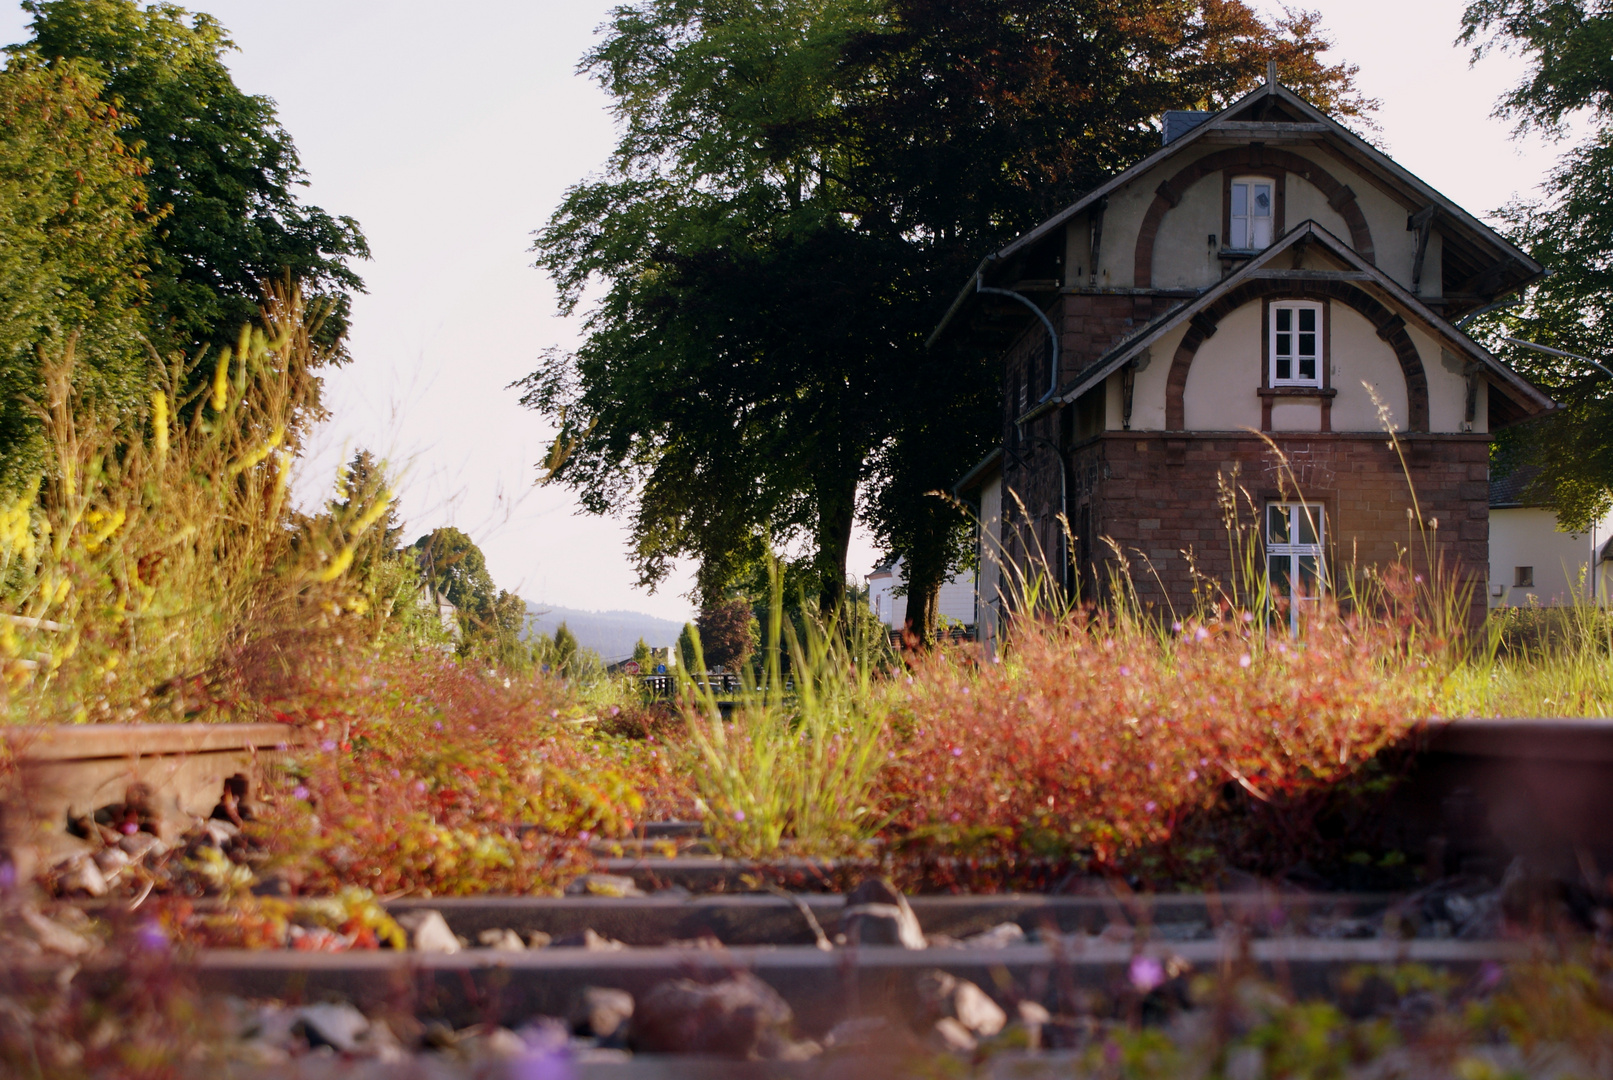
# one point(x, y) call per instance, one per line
point(1255, 303)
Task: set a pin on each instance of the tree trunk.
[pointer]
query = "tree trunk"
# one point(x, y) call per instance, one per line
point(924, 575)
point(837, 508)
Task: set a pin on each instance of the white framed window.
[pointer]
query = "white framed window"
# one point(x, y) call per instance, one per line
point(1251, 218)
point(1296, 564)
point(1296, 343)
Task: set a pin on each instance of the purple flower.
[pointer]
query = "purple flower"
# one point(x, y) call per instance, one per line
point(1244, 660)
point(299, 792)
point(438, 725)
point(739, 815)
point(1147, 973)
point(1489, 975)
point(956, 816)
point(551, 1063)
point(328, 745)
point(8, 877)
point(1124, 670)
point(1176, 627)
point(151, 937)
point(420, 786)
point(615, 710)
point(957, 751)
point(1192, 775)
point(1200, 634)
point(1150, 806)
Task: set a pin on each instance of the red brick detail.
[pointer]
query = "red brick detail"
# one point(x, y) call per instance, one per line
point(1339, 196)
point(1161, 511)
point(1391, 328)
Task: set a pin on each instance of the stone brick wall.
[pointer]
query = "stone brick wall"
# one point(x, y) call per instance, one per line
point(1157, 497)
point(1093, 323)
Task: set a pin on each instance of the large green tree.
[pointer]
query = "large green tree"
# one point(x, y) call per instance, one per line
point(73, 225)
point(1569, 229)
point(491, 619)
point(799, 188)
point(220, 163)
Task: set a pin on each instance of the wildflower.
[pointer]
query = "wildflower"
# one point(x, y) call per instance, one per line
point(1244, 660)
point(1418, 578)
point(739, 815)
point(1489, 975)
point(615, 710)
point(299, 792)
point(1125, 671)
point(151, 936)
point(957, 751)
point(1248, 616)
point(420, 786)
point(1176, 627)
point(956, 816)
point(328, 745)
point(1192, 775)
point(1147, 973)
point(1200, 634)
point(1150, 806)
point(438, 725)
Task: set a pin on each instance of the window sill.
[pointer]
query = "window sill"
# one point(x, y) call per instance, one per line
point(1298, 392)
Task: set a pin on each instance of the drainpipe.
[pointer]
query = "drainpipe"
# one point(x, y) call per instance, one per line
point(1052, 388)
point(1052, 334)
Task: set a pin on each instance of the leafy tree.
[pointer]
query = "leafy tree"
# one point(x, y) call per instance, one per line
point(686, 648)
point(491, 619)
point(729, 634)
point(1569, 46)
point(219, 162)
point(799, 189)
point(558, 653)
point(643, 657)
point(73, 221)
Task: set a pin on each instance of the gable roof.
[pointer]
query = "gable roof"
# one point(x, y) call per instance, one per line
point(1507, 492)
point(1236, 120)
point(1358, 271)
point(1231, 120)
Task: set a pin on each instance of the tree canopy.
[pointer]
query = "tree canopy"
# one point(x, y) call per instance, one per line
point(74, 221)
point(220, 165)
point(799, 188)
point(1569, 230)
point(491, 619)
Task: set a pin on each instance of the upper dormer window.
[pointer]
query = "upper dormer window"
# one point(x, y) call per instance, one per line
point(1296, 343)
point(1251, 218)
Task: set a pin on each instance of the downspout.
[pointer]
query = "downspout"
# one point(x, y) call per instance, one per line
point(1052, 334)
point(1052, 388)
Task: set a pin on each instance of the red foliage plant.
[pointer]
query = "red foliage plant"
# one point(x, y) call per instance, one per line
point(1094, 744)
point(430, 777)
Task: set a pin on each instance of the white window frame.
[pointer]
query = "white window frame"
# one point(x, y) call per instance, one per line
point(1304, 537)
point(1251, 222)
point(1293, 338)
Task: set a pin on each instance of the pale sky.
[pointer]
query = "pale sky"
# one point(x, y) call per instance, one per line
point(450, 132)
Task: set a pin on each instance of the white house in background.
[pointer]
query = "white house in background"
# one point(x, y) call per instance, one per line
point(956, 603)
point(1532, 561)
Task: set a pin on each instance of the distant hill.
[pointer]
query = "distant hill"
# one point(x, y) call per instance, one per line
point(612, 634)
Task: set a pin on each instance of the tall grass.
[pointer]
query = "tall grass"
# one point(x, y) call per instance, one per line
point(799, 759)
point(160, 541)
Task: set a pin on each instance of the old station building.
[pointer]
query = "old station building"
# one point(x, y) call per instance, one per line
point(1266, 274)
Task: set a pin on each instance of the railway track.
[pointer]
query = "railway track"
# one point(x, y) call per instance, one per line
point(1481, 796)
